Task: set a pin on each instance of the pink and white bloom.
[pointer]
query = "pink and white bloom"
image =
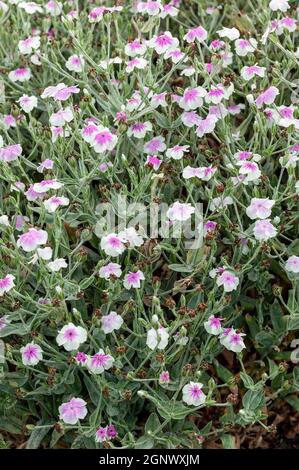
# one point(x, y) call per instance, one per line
point(193, 394)
point(20, 75)
point(32, 239)
point(245, 46)
point(164, 377)
point(54, 202)
point(9, 121)
point(248, 72)
point(133, 279)
point(62, 117)
point(6, 284)
point(260, 208)
point(31, 354)
point(113, 244)
point(203, 173)
point(60, 92)
point(158, 99)
point(155, 145)
point(71, 337)
point(250, 170)
point(218, 203)
point(100, 362)
point(110, 270)
point(72, 411)
point(213, 325)
point(28, 45)
point(192, 98)
point(169, 10)
point(135, 48)
point(53, 7)
point(10, 152)
point(30, 7)
point(206, 126)
point(164, 42)
point(46, 185)
point(267, 97)
point(111, 322)
point(152, 8)
point(157, 338)
point(153, 161)
point(217, 93)
point(176, 55)
point(103, 140)
point(279, 5)
point(292, 264)
point(75, 63)
point(228, 281)
point(136, 63)
point(190, 119)
point(196, 34)
point(177, 152)
point(263, 230)
point(139, 129)
point(27, 103)
point(234, 341)
point(180, 211)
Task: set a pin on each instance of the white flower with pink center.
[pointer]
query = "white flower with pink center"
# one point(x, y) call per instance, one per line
point(287, 23)
point(20, 75)
point(260, 208)
point(263, 230)
point(218, 93)
point(188, 71)
point(27, 103)
point(72, 411)
point(231, 33)
point(192, 98)
point(169, 10)
point(46, 185)
point(103, 140)
point(6, 284)
point(140, 129)
point(133, 280)
point(58, 132)
point(32, 239)
point(206, 126)
point(54, 202)
point(96, 14)
point(31, 354)
point(228, 280)
point(30, 7)
point(153, 161)
point(10, 153)
point(180, 211)
point(111, 322)
point(279, 5)
point(250, 170)
point(57, 265)
point(233, 341)
point(62, 117)
point(245, 46)
point(213, 325)
point(292, 264)
point(248, 72)
point(155, 145)
point(135, 48)
point(60, 92)
point(244, 156)
point(100, 362)
point(88, 132)
point(110, 270)
point(152, 8)
point(193, 394)
point(54, 8)
point(196, 34)
point(176, 55)
point(267, 97)
point(9, 121)
point(190, 119)
point(113, 244)
point(75, 63)
point(157, 338)
point(177, 152)
point(158, 99)
point(71, 337)
point(136, 63)
point(26, 46)
point(164, 42)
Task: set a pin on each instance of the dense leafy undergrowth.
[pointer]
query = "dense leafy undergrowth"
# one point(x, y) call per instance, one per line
point(149, 220)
